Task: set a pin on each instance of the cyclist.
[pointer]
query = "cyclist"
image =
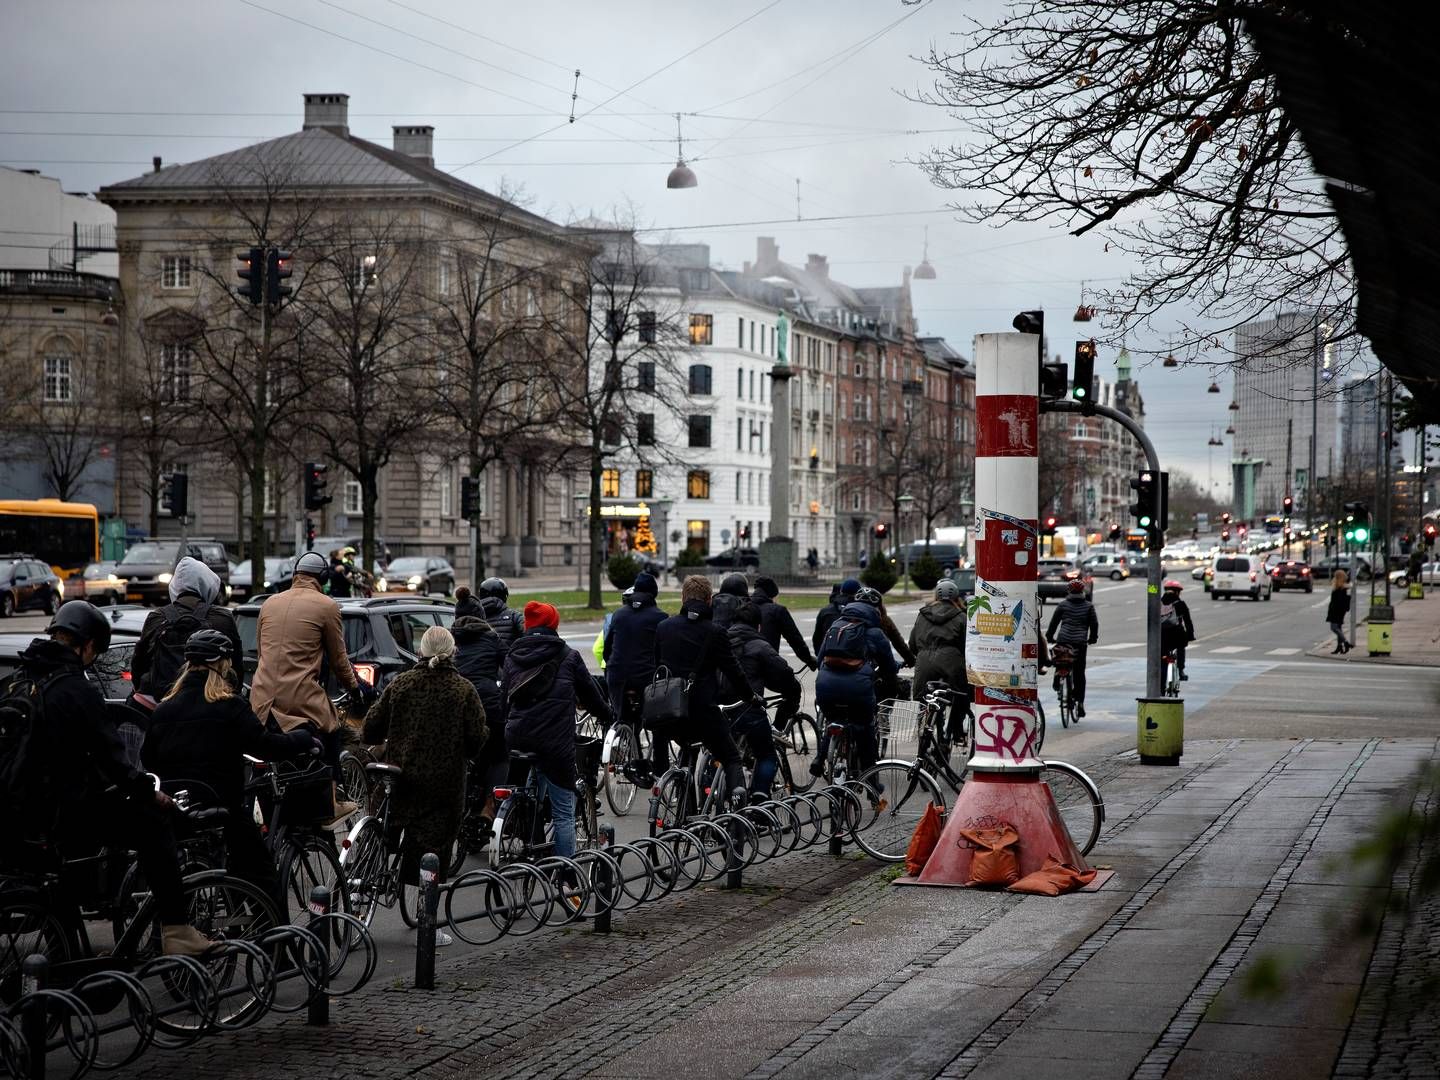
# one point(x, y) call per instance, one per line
point(1176, 627)
point(103, 797)
point(199, 732)
point(776, 622)
point(764, 670)
point(938, 641)
point(479, 656)
point(732, 594)
point(1075, 624)
point(855, 663)
point(629, 649)
point(159, 654)
point(840, 595)
point(297, 631)
point(494, 597)
point(597, 649)
point(691, 645)
point(542, 683)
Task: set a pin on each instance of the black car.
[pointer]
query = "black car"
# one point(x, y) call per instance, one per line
point(27, 584)
point(382, 634)
point(1292, 574)
point(111, 669)
point(747, 556)
point(147, 566)
point(1053, 577)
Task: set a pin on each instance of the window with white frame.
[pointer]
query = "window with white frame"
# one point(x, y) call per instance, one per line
point(447, 491)
point(352, 497)
point(443, 275)
point(59, 374)
point(270, 497)
point(176, 272)
point(176, 364)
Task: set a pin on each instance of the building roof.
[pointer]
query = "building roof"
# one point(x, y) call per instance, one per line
point(939, 351)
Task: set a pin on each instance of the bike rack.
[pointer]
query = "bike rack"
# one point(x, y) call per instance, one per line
point(173, 1001)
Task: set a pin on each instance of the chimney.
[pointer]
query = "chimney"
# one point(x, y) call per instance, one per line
point(155, 162)
point(818, 265)
point(767, 254)
point(329, 112)
point(415, 140)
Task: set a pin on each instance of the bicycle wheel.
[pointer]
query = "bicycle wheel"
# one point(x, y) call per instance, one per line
point(310, 859)
point(619, 789)
point(354, 781)
point(893, 799)
point(26, 927)
point(587, 817)
point(797, 744)
point(1039, 728)
point(1078, 801)
point(673, 803)
point(509, 840)
point(1062, 692)
point(362, 865)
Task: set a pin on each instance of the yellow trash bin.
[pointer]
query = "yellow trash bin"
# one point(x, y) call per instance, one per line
point(1160, 730)
point(1416, 591)
point(1378, 638)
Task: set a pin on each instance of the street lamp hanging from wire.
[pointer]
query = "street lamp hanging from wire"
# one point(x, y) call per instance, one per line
point(681, 176)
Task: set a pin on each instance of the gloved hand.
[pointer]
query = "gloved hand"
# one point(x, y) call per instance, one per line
point(813, 664)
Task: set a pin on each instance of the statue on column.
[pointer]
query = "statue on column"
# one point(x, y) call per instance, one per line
point(782, 337)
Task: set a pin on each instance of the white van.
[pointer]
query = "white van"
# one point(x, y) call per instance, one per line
point(1240, 575)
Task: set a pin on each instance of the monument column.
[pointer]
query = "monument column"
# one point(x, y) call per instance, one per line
point(777, 550)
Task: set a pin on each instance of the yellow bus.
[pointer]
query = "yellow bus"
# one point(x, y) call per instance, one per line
point(64, 534)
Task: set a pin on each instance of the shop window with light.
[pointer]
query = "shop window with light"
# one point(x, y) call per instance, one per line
point(610, 484)
point(700, 379)
point(644, 484)
point(700, 431)
point(698, 536)
point(697, 484)
point(702, 329)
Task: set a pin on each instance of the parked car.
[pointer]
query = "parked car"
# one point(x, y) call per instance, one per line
point(1240, 575)
point(1053, 577)
point(277, 573)
point(1107, 564)
point(419, 574)
point(100, 584)
point(1292, 574)
point(147, 566)
point(747, 556)
point(27, 584)
point(382, 634)
point(1429, 575)
point(947, 555)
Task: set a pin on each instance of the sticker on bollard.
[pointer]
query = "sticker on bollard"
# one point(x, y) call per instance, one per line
point(1160, 730)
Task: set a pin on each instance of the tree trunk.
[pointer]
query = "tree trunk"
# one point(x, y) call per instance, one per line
point(369, 498)
point(597, 524)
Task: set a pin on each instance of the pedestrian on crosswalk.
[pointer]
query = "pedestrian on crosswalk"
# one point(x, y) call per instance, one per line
point(1338, 609)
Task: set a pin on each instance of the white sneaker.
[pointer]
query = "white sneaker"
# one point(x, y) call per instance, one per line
point(442, 939)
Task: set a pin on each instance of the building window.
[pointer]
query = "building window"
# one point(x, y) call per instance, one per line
point(752, 386)
point(645, 376)
point(176, 362)
point(270, 491)
point(855, 501)
point(762, 436)
point(644, 483)
point(611, 430)
point(737, 486)
point(764, 382)
point(610, 484)
point(697, 484)
point(740, 433)
point(352, 497)
point(700, 379)
point(700, 431)
point(645, 429)
point(752, 335)
point(698, 536)
point(175, 272)
point(702, 329)
point(739, 383)
point(442, 275)
point(447, 491)
point(647, 327)
point(58, 377)
point(740, 332)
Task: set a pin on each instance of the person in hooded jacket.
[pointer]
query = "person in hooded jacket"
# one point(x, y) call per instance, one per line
point(494, 596)
point(733, 593)
point(479, 657)
point(195, 603)
point(200, 731)
point(764, 670)
point(691, 645)
point(938, 642)
point(846, 686)
point(1177, 629)
point(542, 683)
point(1075, 624)
point(776, 622)
point(629, 650)
point(840, 595)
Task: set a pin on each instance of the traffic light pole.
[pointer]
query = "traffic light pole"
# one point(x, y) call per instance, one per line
point(1154, 676)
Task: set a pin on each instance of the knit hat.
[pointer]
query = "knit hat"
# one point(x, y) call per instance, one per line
point(645, 583)
point(468, 628)
point(538, 614)
point(465, 603)
point(849, 587)
point(767, 586)
point(734, 585)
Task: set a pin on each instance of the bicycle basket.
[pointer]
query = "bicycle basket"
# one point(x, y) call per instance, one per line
point(1062, 656)
point(587, 756)
point(307, 795)
point(898, 723)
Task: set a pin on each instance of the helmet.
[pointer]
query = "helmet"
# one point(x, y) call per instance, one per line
point(947, 590)
point(207, 647)
point(312, 563)
point(494, 586)
point(347, 554)
point(83, 619)
point(1173, 586)
point(869, 596)
point(1077, 586)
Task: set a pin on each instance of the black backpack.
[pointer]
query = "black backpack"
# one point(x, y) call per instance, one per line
point(28, 757)
point(844, 645)
point(169, 653)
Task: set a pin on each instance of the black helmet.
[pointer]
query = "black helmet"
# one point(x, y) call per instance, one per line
point(207, 647)
point(868, 596)
point(82, 619)
point(947, 590)
point(312, 563)
point(496, 587)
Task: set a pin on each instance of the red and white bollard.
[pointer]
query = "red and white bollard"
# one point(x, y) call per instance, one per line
point(1003, 630)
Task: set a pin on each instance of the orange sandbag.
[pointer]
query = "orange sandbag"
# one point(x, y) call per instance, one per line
point(996, 861)
point(1052, 879)
point(922, 843)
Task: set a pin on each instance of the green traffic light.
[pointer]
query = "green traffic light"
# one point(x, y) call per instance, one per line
point(1144, 521)
point(1079, 392)
point(1361, 535)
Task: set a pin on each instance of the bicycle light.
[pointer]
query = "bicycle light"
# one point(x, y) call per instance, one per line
point(502, 793)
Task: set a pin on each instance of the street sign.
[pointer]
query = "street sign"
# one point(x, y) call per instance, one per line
point(725, 536)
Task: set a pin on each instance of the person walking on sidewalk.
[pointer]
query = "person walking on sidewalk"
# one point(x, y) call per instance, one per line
point(1338, 609)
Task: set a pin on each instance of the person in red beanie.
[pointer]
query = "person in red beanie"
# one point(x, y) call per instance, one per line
point(542, 681)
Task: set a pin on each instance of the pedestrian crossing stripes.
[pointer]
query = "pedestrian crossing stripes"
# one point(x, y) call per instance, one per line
point(1224, 649)
point(1282, 652)
point(1122, 645)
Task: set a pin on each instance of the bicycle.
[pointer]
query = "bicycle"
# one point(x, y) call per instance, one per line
point(625, 743)
point(1171, 666)
point(524, 830)
point(370, 857)
point(1062, 658)
point(794, 748)
point(304, 850)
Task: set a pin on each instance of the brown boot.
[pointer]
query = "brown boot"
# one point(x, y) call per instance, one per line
point(184, 940)
point(343, 807)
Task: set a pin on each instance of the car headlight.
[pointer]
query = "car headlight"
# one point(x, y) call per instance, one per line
point(414, 580)
point(381, 584)
point(164, 579)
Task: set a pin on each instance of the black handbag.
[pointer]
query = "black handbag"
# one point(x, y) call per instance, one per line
point(666, 701)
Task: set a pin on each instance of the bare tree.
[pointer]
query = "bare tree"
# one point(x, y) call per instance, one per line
point(62, 416)
point(1156, 123)
point(899, 439)
point(935, 487)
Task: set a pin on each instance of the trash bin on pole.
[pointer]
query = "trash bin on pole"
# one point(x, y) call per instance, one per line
point(1160, 730)
point(1378, 627)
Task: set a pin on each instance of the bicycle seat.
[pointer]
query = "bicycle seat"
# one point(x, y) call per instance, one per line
point(383, 771)
point(524, 756)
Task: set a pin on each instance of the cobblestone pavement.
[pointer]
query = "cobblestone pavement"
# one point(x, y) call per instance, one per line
point(1228, 878)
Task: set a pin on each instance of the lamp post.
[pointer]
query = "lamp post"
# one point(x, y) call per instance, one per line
point(907, 504)
point(581, 530)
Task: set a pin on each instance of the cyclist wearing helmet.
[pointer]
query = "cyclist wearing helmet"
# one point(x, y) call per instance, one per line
point(494, 595)
point(297, 631)
point(1076, 625)
point(1176, 628)
point(855, 662)
point(199, 732)
point(938, 642)
point(76, 787)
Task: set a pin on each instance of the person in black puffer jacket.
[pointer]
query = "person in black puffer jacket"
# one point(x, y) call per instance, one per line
point(1075, 624)
point(764, 670)
point(479, 657)
point(938, 642)
point(493, 596)
point(542, 682)
point(629, 650)
point(776, 622)
point(691, 645)
point(840, 595)
point(732, 594)
point(201, 730)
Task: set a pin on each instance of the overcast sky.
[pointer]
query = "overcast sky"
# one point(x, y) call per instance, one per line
point(806, 89)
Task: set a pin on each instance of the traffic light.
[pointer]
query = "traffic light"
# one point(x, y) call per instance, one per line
point(881, 530)
point(315, 479)
point(1244, 530)
point(470, 497)
point(1357, 522)
point(175, 493)
point(744, 533)
point(277, 269)
point(309, 534)
point(1287, 505)
point(1047, 527)
point(1143, 508)
point(1116, 532)
point(1430, 531)
point(252, 265)
point(1030, 322)
point(1224, 534)
point(1084, 370)
point(1225, 517)
point(1054, 381)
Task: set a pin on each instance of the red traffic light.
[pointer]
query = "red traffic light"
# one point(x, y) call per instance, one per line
point(1430, 529)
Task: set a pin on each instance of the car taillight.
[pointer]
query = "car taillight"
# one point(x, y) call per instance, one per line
point(1305, 571)
point(367, 673)
point(1253, 576)
point(1071, 575)
point(502, 793)
point(125, 675)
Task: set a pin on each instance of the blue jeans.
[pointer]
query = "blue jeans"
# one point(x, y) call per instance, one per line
point(562, 812)
point(754, 727)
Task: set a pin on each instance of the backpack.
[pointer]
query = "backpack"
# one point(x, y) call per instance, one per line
point(28, 757)
point(723, 608)
point(844, 645)
point(169, 653)
point(1170, 617)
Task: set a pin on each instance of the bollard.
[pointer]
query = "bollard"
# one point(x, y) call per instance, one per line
point(33, 972)
point(428, 905)
point(837, 838)
point(603, 885)
point(1160, 730)
point(737, 852)
point(318, 1011)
